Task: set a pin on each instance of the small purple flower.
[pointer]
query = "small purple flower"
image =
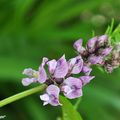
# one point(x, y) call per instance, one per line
point(42, 73)
point(72, 88)
point(86, 79)
point(78, 46)
point(61, 69)
point(102, 40)
point(32, 76)
point(91, 45)
point(51, 96)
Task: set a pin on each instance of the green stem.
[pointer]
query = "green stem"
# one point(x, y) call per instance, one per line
point(22, 95)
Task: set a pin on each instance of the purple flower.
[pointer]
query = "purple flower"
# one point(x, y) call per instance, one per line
point(32, 76)
point(42, 73)
point(102, 40)
point(61, 69)
point(75, 65)
point(51, 96)
point(91, 45)
point(78, 46)
point(72, 88)
point(86, 79)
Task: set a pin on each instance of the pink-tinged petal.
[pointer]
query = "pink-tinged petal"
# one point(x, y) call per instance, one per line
point(95, 59)
point(53, 90)
point(106, 51)
point(61, 68)
point(86, 79)
point(77, 68)
point(102, 40)
point(87, 70)
point(74, 94)
point(52, 66)
point(78, 45)
point(28, 81)
point(91, 46)
point(42, 75)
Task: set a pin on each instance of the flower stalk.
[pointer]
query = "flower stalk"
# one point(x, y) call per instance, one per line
point(22, 95)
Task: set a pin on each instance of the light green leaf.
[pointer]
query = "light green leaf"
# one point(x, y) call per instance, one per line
point(69, 112)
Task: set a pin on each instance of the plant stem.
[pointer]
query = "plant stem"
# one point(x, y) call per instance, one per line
point(22, 95)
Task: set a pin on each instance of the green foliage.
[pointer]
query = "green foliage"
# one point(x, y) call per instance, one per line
point(69, 113)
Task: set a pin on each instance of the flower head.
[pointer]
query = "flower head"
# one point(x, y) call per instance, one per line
point(51, 96)
point(72, 88)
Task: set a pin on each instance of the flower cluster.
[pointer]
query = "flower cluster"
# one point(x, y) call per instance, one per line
point(60, 75)
point(96, 51)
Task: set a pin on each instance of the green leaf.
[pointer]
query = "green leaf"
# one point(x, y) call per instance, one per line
point(69, 112)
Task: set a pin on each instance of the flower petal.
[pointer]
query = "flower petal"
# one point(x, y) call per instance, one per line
point(86, 79)
point(44, 61)
point(71, 63)
point(106, 51)
point(95, 59)
point(91, 46)
point(77, 68)
point(74, 94)
point(87, 70)
point(42, 75)
point(71, 81)
point(29, 72)
point(28, 81)
point(78, 45)
point(61, 68)
point(44, 97)
point(53, 90)
point(52, 66)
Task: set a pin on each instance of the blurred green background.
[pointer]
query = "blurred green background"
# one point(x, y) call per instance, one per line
point(32, 29)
